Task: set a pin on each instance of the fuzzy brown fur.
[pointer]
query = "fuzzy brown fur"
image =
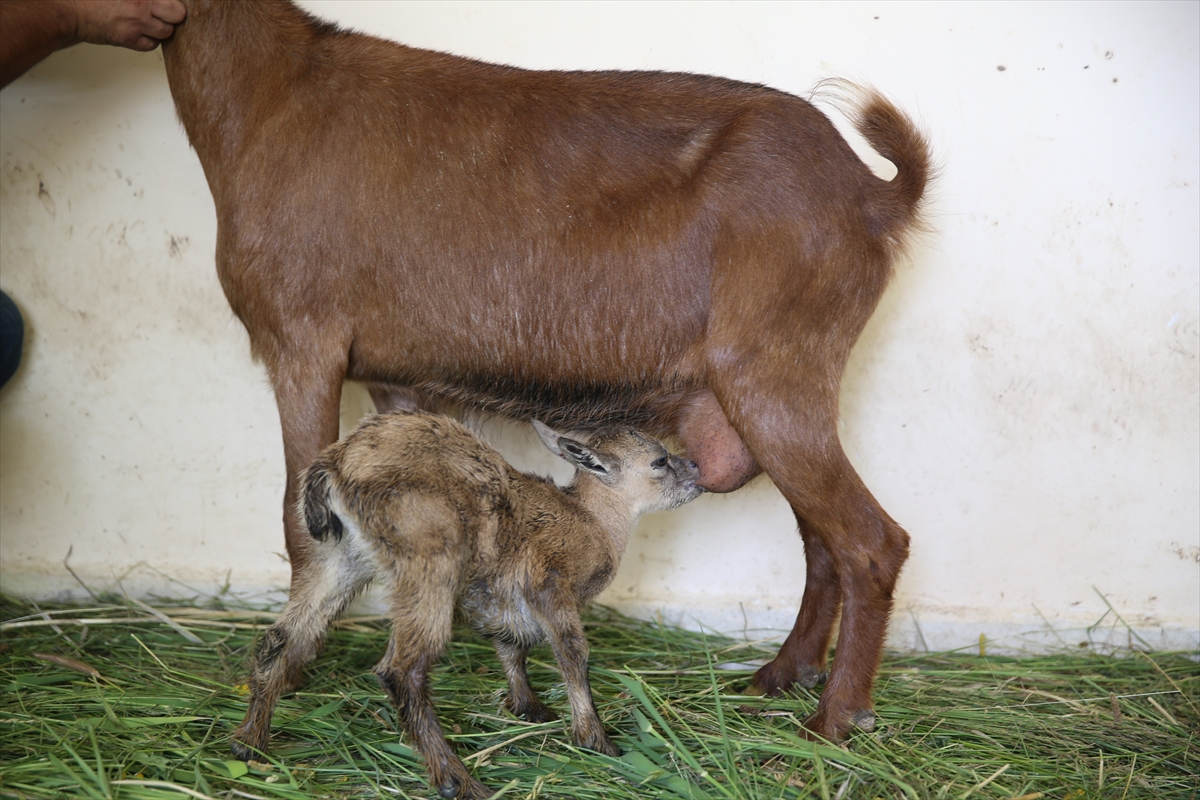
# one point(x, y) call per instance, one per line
point(683, 254)
point(418, 503)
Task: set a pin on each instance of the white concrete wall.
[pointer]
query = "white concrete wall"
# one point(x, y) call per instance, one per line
point(1026, 401)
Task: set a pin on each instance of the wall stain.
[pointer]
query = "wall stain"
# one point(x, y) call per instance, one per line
point(177, 246)
point(47, 200)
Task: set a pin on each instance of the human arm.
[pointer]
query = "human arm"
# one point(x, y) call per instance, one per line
point(30, 30)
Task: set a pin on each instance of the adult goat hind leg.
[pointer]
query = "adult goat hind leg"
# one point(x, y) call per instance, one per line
point(388, 398)
point(802, 657)
point(869, 549)
point(854, 551)
point(726, 464)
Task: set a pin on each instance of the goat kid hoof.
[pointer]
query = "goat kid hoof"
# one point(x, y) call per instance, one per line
point(609, 749)
point(535, 712)
point(602, 745)
point(245, 752)
point(450, 790)
point(464, 789)
point(864, 720)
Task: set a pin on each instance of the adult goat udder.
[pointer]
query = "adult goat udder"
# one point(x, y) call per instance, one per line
point(686, 255)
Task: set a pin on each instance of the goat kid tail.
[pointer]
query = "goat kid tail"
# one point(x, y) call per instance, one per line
point(896, 207)
point(316, 487)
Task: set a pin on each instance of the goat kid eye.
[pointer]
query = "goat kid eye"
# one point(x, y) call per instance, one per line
point(659, 463)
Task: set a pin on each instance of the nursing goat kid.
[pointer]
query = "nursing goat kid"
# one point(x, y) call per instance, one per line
point(689, 256)
point(441, 520)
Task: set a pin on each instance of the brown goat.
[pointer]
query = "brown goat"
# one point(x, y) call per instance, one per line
point(419, 503)
point(681, 254)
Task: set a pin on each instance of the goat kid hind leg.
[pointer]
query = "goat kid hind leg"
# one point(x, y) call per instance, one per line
point(333, 578)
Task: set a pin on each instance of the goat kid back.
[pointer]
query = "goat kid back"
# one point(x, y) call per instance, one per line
point(685, 255)
point(418, 503)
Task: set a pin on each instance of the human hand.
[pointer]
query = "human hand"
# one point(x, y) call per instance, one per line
point(135, 24)
point(33, 29)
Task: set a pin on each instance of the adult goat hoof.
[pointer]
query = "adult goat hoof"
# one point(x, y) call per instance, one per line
point(819, 727)
point(864, 720)
point(766, 682)
point(810, 678)
point(773, 680)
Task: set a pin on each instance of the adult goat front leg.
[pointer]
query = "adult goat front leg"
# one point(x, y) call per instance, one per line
point(308, 393)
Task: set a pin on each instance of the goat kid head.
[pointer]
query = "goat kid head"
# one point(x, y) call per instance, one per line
point(634, 466)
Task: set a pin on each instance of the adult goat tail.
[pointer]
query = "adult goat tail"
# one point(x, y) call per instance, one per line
point(316, 487)
point(895, 207)
point(895, 137)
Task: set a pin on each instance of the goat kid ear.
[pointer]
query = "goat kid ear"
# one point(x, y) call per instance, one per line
point(585, 458)
point(574, 452)
point(549, 437)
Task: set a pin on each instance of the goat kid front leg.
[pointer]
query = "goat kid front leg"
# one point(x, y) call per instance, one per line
point(565, 631)
point(422, 612)
point(405, 678)
point(522, 700)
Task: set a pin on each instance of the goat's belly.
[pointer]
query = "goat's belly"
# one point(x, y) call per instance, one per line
point(572, 403)
point(501, 617)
